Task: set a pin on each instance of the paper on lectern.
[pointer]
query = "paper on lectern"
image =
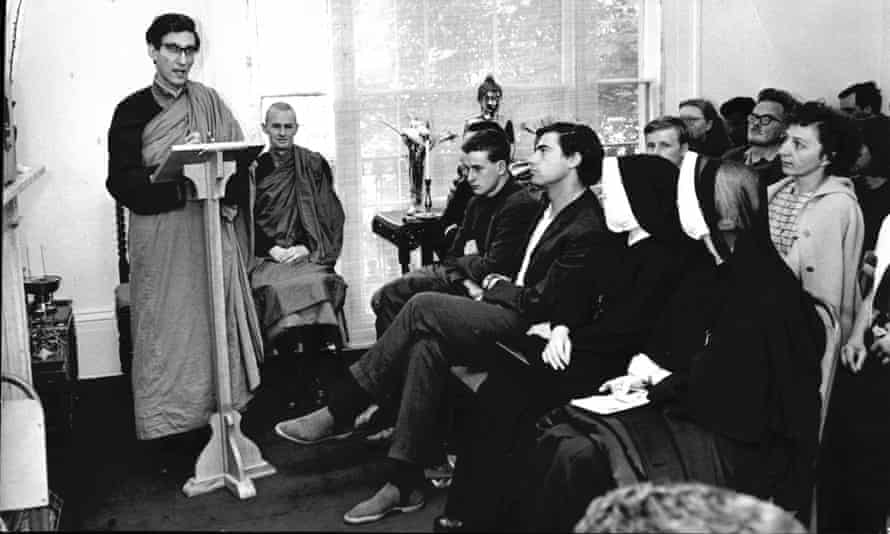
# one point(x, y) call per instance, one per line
point(198, 153)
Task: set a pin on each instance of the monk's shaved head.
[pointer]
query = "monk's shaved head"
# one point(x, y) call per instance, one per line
point(281, 126)
point(280, 106)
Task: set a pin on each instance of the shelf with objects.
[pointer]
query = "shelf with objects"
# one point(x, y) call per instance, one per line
point(24, 491)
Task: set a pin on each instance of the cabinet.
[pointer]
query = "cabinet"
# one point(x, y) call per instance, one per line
point(54, 366)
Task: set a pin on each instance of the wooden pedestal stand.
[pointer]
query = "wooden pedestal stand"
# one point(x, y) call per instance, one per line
point(229, 459)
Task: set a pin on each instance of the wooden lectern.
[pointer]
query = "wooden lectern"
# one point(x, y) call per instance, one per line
point(229, 459)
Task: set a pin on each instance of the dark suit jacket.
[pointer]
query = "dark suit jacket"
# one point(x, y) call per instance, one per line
point(559, 285)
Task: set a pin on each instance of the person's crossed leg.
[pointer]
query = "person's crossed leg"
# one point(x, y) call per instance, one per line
point(430, 334)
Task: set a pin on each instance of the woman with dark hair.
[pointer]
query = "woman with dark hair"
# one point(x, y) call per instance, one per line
point(854, 472)
point(631, 287)
point(814, 216)
point(731, 373)
point(707, 132)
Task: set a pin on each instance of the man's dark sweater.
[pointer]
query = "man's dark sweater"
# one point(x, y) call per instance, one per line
point(498, 225)
point(128, 178)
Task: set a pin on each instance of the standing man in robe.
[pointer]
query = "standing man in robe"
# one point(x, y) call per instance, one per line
point(299, 236)
point(173, 372)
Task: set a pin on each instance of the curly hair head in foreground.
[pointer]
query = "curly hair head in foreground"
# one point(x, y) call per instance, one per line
point(684, 507)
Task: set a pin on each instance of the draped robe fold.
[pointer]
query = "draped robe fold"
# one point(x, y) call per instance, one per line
point(296, 204)
point(173, 371)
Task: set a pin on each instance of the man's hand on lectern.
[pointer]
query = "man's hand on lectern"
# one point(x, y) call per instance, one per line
point(192, 137)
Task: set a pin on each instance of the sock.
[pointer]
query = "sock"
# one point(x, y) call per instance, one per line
point(406, 476)
point(347, 399)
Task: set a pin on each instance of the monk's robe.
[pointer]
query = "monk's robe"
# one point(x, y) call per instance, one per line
point(296, 205)
point(173, 373)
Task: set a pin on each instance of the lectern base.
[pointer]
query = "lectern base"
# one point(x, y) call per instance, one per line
point(229, 459)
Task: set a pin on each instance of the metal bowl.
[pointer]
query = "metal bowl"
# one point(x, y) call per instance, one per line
point(42, 287)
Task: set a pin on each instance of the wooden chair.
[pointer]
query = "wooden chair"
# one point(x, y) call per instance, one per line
point(122, 299)
point(122, 291)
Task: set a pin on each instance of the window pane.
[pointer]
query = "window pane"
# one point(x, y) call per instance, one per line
point(619, 122)
point(460, 41)
point(425, 59)
point(529, 42)
point(611, 46)
point(376, 51)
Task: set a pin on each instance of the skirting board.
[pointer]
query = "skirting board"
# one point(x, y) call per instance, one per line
point(97, 343)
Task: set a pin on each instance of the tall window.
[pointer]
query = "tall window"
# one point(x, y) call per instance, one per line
point(394, 59)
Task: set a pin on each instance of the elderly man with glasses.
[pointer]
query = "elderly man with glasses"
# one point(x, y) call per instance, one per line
point(766, 131)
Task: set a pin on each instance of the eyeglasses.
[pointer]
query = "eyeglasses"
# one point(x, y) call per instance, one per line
point(175, 50)
point(690, 118)
point(763, 120)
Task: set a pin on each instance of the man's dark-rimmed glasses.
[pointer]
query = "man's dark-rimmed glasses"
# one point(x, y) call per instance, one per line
point(175, 50)
point(763, 120)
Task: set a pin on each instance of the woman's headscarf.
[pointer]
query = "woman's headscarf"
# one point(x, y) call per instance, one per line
point(640, 194)
point(691, 217)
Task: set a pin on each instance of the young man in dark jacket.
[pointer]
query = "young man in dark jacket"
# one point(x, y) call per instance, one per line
point(488, 241)
point(435, 331)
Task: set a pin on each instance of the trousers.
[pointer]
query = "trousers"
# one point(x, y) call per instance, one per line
point(429, 335)
point(391, 298)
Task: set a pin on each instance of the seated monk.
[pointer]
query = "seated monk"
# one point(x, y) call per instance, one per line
point(299, 235)
point(732, 374)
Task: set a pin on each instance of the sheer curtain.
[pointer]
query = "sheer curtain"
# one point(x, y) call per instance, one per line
point(395, 59)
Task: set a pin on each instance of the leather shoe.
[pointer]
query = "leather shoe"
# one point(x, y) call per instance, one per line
point(443, 523)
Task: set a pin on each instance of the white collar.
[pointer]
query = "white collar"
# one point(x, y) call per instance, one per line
point(691, 217)
point(619, 215)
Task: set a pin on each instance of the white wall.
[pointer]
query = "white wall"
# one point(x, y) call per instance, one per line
point(77, 58)
point(814, 48)
point(75, 61)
